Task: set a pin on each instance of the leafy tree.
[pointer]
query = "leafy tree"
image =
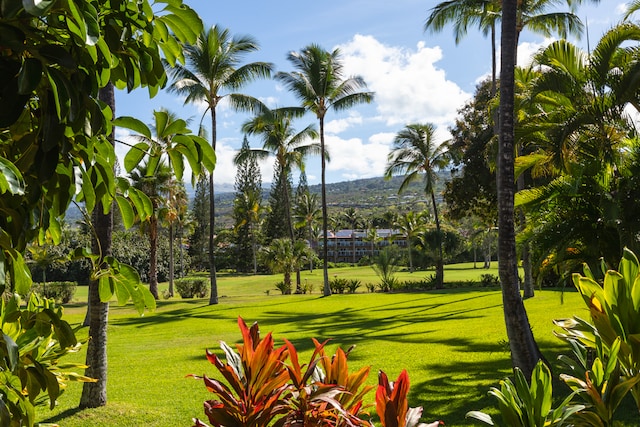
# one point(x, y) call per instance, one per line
point(416, 155)
point(524, 350)
point(472, 187)
point(246, 209)
point(410, 225)
point(275, 223)
point(306, 214)
point(174, 214)
point(214, 72)
point(320, 85)
point(51, 77)
point(200, 214)
point(385, 264)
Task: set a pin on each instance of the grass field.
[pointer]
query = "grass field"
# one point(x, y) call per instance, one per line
point(451, 342)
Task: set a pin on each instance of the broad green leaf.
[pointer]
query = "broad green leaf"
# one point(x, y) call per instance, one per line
point(93, 28)
point(11, 179)
point(104, 287)
point(176, 164)
point(128, 215)
point(122, 292)
point(613, 281)
point(20, 274)
point(174, 128)
point(142, 203)
point(628, 266)
point(56, 54)
point(161, 120)
point(37, 7)
point(133, 124)
point(88, 192)
point(135, 155)
point(29, 76)
point(12, 351)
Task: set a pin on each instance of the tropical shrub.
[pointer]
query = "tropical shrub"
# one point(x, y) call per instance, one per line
point(60, 292)
point(33, 340)
point(267, 386)
point(487, 280)
point(353, 285)
point(613, 332)
point(284, 288)
point(338, 285)
point(528, 405)
point(189, 288)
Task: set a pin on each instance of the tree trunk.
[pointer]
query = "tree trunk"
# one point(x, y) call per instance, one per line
point(326, 290)
point(440, 260)
point(524, 350)
point(171, 260)
point(153, 253)
point(213, 298)
point(94, 395)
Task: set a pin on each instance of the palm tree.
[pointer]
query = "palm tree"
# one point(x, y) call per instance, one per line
point(306, 214)
point(174, 212)
point(286, 256)
point(582, 139)
point(155, 183)
point(319, 84)
point(213, 72)
point(416, 155)
point(280, 139)
point(353, 219)
point(410, 224)
point(524, 350)
point(464, 13)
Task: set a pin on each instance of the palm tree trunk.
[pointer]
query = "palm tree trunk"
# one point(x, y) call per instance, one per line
point(440, 260)
point(524, 350)
point(94, 395)
point(325, 272)
point(153, 253)
point(171, 260)
point(213, 298)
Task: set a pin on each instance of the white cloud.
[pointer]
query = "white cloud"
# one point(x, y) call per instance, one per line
point(352, 158)
point(622, 8)
point(340, 125)
point(527, 50)
point(408, 86)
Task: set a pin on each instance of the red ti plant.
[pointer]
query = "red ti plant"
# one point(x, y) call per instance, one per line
point(316, 398)
point(392, 404)
point(256, 378)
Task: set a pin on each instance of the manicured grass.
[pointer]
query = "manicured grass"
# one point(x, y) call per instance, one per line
point(451, 342)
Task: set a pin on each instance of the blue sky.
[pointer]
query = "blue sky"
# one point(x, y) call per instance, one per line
point(417, 76)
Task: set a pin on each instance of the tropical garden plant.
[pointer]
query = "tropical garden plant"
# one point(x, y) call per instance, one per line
point(268, 386)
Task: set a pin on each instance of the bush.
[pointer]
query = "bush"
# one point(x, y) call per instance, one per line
point(189, 288)
point(353, 285)
point(61, 292)
point(338, 285)
point(489, 280)
point(282, 287)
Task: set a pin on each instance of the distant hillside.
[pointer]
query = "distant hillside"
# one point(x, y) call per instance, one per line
point(370, 196)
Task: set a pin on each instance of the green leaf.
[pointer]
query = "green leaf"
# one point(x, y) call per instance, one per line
point(37, 7)
point(12, 351)
point(133, 124)
point(128, 215)
point(135, 155)
point(29, 76)
point(88, 193)
point(56, 54)
point(104, 287)
point(20, 275)
point(11, 179)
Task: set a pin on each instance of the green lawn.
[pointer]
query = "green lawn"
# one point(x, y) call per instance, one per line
point(451, 342)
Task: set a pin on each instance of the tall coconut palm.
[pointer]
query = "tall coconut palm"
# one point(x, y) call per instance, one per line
point(280, 139)
point(319, 83)
point(155, 183)
point(418, 156)
point(524, 350)
point(306, 214)
point(410, 225)
point(214, 72)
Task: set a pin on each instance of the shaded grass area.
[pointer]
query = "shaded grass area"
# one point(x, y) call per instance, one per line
point(451, 342)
